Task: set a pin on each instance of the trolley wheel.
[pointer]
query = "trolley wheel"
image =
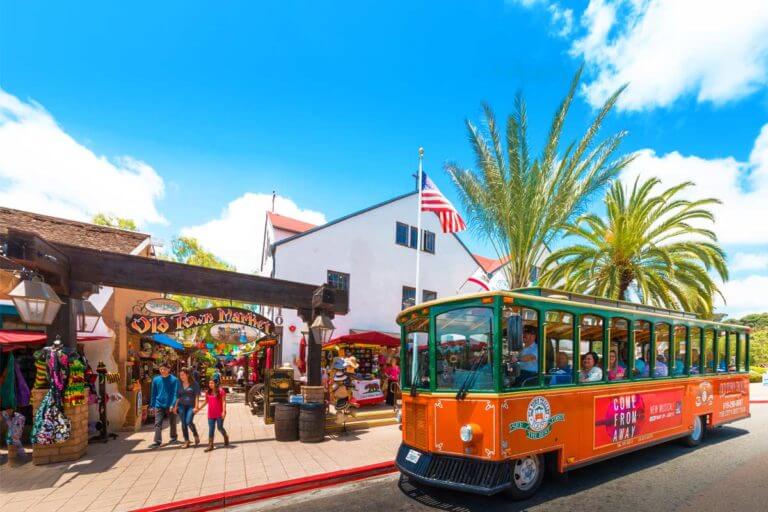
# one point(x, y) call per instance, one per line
point(255, 398)
point(527, 475)
point(697, 434)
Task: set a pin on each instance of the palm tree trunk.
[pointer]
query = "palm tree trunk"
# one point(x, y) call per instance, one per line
point(624, 281)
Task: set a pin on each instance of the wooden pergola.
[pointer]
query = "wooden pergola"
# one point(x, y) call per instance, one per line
point(76, 272)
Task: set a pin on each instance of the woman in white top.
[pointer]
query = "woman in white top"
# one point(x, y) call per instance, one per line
point(590, 372)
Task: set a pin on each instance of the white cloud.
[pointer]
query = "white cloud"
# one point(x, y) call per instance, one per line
point(237, 235)
point(741, 186)
point(561, 19)
point(45, 170)
point(665, 49)
point(744, 296)
point(748, 261)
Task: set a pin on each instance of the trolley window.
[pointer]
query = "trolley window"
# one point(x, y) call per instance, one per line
point(558, 332)
point(463, 346)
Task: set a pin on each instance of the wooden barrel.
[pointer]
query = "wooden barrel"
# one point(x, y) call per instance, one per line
point(312, 423)
point(286, 422)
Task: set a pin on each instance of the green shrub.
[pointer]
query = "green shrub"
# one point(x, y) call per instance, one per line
point(755, 377)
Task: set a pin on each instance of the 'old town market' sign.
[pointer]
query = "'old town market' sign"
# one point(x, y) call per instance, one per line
point(146, 324)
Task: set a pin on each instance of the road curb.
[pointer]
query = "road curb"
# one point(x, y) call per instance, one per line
point(758, 401)
point(262, 492)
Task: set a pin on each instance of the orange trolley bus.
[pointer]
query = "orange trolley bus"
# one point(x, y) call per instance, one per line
point(508, 383)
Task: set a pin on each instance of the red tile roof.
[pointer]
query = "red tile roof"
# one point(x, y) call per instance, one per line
point(82, 234)
point(488, 264)
point(288, 224)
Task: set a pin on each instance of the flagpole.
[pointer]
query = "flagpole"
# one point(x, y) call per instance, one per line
point(415, 358)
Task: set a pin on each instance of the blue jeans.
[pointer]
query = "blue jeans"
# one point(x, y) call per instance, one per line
point(217, 423)
point(187, 414)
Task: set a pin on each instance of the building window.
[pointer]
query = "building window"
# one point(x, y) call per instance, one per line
point(401, 234)
point(427, 295)
point(408, 236)
point(409, 297)
point(338, 280)
point(428, 244)
point(534, 275)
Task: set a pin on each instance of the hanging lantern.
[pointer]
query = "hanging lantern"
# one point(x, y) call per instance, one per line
point(35, 301)
point(86, 314)
point(209, 346)
point(322, 329)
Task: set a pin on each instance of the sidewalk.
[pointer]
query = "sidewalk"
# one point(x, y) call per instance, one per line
point(758, 392)
point(126, 474)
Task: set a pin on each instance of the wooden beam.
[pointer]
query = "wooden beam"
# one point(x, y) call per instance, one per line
point(35, 253)
point(140, 273)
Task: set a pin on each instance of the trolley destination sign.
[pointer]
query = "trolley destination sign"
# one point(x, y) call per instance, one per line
point(161, 324)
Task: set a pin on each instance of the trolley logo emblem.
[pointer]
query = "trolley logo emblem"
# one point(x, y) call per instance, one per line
point(540, 419)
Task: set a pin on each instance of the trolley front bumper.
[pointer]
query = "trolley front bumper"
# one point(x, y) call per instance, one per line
point(456, 473)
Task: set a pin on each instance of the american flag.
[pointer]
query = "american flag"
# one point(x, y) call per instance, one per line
point(432, 200)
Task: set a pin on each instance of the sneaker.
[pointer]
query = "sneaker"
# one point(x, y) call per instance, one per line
point(155, 445)
point(173, 441)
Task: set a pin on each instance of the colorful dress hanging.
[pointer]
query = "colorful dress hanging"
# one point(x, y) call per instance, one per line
point(8, 385)
point(74, 394)
point(22, 390)
point(51, 426)
point(41, 372)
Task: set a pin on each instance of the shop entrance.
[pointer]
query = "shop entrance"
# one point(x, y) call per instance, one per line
point(76, 273)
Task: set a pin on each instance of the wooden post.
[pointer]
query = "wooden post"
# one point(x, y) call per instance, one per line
point(314, 352)
point(64, 325)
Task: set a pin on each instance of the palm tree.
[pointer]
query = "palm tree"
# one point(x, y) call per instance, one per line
point(649, 244)
point(519, 203)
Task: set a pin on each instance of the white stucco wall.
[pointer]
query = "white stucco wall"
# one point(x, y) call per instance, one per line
point(364, 247)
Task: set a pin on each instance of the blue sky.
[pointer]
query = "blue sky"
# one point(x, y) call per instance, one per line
point(193, 105)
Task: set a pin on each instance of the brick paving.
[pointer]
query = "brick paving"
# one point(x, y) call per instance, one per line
point(126, 474)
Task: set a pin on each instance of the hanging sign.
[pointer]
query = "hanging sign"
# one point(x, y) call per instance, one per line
point(162, 306)
point(161, 324)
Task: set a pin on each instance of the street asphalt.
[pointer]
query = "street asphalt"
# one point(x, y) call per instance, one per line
point(727, 473)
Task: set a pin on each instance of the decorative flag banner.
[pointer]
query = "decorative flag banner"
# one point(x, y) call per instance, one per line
point(432, 200)
point(480, 278)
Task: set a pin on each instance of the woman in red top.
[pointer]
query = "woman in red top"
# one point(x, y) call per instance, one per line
point(392, 373)
point(215, 397)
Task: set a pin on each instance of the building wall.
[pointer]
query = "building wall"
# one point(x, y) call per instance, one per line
point(364, 247)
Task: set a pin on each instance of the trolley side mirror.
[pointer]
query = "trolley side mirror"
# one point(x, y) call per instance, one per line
point(515, 333)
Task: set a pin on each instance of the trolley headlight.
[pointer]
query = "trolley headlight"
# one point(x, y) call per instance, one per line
point(465, 433)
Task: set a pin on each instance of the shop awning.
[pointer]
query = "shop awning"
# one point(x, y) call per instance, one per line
point(13, 339)
point(368, 337)
point(164, 339)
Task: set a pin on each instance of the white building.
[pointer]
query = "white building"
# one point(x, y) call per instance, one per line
point(372, 254)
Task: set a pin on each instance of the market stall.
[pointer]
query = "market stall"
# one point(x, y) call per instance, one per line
point(371, 350)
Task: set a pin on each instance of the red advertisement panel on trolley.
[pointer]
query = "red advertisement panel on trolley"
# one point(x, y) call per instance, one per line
point(624, 418)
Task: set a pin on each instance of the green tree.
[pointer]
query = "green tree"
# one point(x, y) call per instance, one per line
point(647, 244)
point(519, 203)
point(103, 219)
point(758, 348)
point(755, 321)
point(188, 250)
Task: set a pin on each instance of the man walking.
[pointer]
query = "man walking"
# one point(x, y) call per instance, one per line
point(165, 389)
